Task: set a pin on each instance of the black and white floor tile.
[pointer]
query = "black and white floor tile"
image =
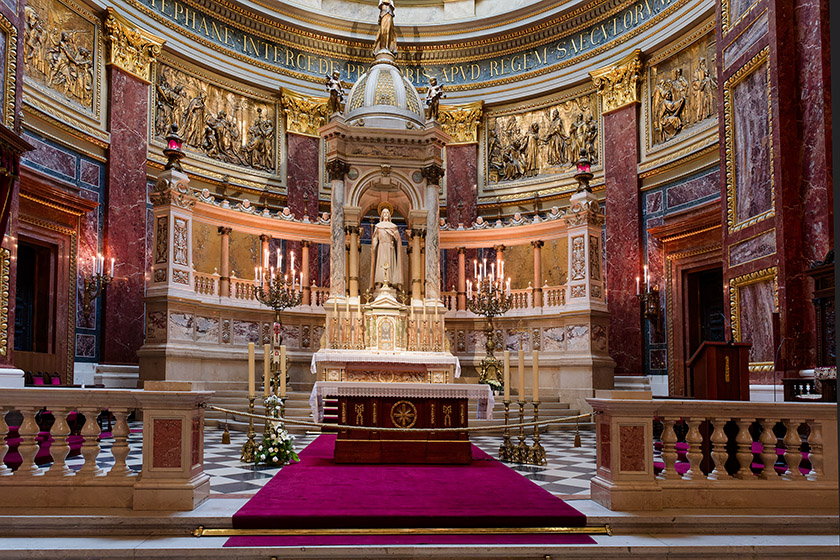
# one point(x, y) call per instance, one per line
point(567, 473)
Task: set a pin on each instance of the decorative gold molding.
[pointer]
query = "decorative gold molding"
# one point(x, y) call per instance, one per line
point(689, 233)
point(130, 48)
point(304, 114)
point(726, 22)
point(5, 264)
point(65, 122)
point(618, 85)
point(735, 285)
point(51, 204)
point(10, 85)
point(681, 157)
point(761, 367)
point(462, 122)
point(729, 146)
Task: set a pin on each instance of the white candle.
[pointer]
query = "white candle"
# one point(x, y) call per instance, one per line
point(646, 278)
point(507, 375)
point(265, 258)
point(521, 388)
point(293, 263)
point(283, 371)
point(475, 268)
point(93, 264)
point(256, 276)
point(266, 376)
point(536, 368)
point(300, 286)
point(638, 292)
point(251, 368)
point(101, 264)
point(113, 260)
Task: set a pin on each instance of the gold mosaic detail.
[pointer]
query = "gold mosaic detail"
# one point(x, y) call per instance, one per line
point(411, 101)
point(384, 93)
point(359, 99)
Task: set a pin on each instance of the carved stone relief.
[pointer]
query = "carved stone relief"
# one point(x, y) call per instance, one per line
point(162, 235)
point(59, 51)
point(594, 258)
point(543, 141)
point(683, 91)
point(578, 258)
point(179, 242)
point(214, 121)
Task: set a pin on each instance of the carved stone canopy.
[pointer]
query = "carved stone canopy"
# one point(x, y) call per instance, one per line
point(618, 85)
point(129, 47)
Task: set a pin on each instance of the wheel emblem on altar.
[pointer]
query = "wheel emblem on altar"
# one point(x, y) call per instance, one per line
point(403, 414)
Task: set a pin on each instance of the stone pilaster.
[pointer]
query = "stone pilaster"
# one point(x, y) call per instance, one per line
point(337, 169)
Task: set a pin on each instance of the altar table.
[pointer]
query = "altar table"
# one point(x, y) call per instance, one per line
point(402, 405)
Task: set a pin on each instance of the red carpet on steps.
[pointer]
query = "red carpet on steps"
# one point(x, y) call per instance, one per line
point(316, 494)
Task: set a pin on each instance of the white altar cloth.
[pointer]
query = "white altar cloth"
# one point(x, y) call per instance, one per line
point(476, 392)
point(378, 357)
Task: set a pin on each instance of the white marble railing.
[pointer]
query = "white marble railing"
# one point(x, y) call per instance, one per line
point(172, 474)
point(554, 296)
point(206, 284)
point(661, 454)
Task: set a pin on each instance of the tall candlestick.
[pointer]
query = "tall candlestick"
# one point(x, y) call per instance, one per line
point(646, 278)
point(283, 371)
point(475, 268)
point(113, 260)
point(293, 263)
point(536, 367)
point(521, 389)
point(251, 372)
point(279, 259)
point(507, 376)
point(266, 375)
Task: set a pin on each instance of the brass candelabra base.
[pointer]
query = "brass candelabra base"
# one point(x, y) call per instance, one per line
point(506, 449)
point(520, 452)
point(536, 453)
point(249, 448)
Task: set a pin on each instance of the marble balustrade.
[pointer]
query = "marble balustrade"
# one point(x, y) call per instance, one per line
point(669, 454)
point(172, 475)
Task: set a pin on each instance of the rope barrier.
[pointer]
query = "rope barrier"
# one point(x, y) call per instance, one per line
point(383, 429)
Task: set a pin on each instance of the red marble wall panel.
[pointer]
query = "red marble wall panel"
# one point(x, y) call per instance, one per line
point(604, 457)
point(631, 448)
point(302, 175)
point(756, 306)
point(51, 158)
point(167, 442)
point(693, 190)
point(125, 219)
point(624, 240)
point(88, 246)
point(461, 181)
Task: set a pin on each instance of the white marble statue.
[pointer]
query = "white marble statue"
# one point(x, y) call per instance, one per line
point(386, 253)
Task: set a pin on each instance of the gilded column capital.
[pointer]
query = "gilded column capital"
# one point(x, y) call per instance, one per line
point(499, 248)
point(461, 250)
point(337, 169)
point(305, 243)
point(537, 244)
point(265, 238)
point(304, 114)
point(225, 230)
point(433, 174)
point(461, 122)
point(618, 85)
point(130, 48)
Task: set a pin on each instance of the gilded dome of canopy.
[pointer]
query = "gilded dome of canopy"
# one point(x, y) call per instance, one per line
point(383, 98)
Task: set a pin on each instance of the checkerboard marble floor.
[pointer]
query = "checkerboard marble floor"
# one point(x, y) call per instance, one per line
point(566, 475)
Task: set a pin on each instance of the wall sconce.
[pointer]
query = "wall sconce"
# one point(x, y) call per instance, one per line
point(173, 151)
point(95, 283)
point(649, 296)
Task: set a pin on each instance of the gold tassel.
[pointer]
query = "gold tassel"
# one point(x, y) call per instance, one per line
point(577, 433)
point(226, 434)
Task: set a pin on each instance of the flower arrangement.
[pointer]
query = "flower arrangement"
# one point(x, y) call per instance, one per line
point(278, 445)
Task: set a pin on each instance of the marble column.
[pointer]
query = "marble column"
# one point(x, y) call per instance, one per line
point(432, 174)
point(416, 265)
point(618, 86)
point(224, 262)
point(304, 267)
point(125, 219)
point(538, 277)
point(354, 260)
point(336, 170)
point(462, 279)
point(265, 252)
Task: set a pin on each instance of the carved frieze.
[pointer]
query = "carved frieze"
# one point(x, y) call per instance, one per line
point(584, 212)
point(60, 51)
point(215, 121)
point(542, 142)
point(618, 85)
point(682, 91)
point(304, 114)
point(461, 122)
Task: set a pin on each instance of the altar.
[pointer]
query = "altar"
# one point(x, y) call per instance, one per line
point(402, 405)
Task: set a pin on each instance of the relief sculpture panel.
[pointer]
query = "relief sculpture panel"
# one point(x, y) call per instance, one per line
point(682, 92)
point(542, 142)
point(60, 51)
point(214, 121)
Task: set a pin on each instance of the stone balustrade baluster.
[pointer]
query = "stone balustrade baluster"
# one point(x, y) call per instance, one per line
point(768, 453)
point(4, 431)
point(90, 446)
point(28, 448)
point(695, 454)
point(669, 450)
point(815, 454)
point(120, 449)
point(60, 447)
point(793, 450)
point(719, 454)
point(744, 451)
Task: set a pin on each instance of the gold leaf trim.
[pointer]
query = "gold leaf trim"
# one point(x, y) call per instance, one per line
point(735, 285)
point(130, 48)
point(5, 267)
point(10, 85)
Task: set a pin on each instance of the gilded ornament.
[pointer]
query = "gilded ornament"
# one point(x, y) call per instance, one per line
point(578, 259)
point(131, 48)
point(304, 114)
point(618, 85)
point(9, 92)
point(404, 414)
point(770, 274)
point(5, 261)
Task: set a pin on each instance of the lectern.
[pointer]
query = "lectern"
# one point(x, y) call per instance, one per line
point(720, 371)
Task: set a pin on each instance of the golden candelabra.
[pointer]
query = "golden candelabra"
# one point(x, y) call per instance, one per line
point(520, 452)
point(506, 449)
point(490, 299)
point(249, 448)
point(536, 453)
point(94, 284)
point(278, 294)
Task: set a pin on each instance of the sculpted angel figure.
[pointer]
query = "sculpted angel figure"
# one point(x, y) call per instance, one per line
point(336, 92)
point(386, 39)
point(433, 97)
point(386, 252)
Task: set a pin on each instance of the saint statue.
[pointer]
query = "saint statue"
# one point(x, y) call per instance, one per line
point(433, 96)
point(336, 92)
point(386, 39)
point(386, 252)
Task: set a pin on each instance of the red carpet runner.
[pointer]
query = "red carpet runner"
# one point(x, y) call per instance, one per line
point(316, 493)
